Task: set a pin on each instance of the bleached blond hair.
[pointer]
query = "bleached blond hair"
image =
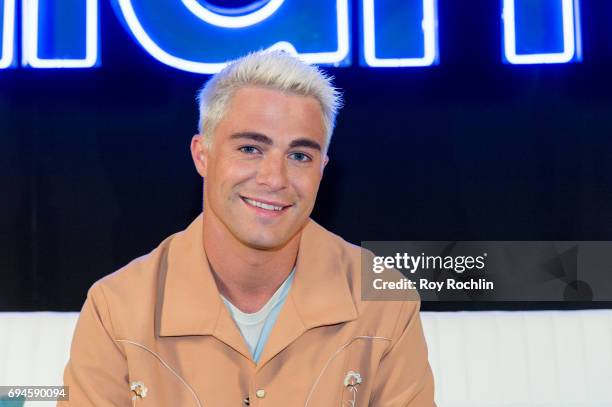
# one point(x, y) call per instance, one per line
point(276, 70)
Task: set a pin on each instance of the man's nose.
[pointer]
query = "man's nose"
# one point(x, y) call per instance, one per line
point(272, 172)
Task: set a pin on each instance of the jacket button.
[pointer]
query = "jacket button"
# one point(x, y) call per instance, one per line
point(261, 393)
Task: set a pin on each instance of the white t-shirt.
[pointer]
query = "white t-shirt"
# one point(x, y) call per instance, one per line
point(256, 327)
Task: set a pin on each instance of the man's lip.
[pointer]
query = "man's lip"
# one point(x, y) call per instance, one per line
point(274, 203)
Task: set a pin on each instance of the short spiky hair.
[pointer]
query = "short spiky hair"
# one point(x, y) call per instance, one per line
point(270, 69)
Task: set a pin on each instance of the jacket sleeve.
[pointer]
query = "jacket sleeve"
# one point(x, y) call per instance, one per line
point(404, 377)
point(96, 374)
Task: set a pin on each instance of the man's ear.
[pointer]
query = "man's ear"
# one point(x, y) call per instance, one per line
point(325, 161)
point(199, 154)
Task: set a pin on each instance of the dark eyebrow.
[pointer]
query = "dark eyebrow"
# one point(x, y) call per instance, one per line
point(262, 138)
point(305, 142)
point(251, 135)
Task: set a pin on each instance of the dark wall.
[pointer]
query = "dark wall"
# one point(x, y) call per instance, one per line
point(95, 167)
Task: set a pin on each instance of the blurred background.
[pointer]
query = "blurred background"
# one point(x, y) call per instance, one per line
point(95, 167)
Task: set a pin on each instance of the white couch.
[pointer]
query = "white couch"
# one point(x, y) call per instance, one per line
point(479, 359)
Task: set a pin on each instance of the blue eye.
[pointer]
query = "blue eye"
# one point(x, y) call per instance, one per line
point(248, 150)
point(300, 157)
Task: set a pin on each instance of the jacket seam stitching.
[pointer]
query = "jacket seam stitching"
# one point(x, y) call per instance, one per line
point(166, 365)
point(336, 353)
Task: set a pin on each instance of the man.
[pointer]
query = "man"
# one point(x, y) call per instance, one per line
point(254, 303)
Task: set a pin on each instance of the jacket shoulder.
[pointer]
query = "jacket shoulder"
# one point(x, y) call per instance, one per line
point(130, 293)
point(336, 245)
point(352, 260)
point(138, 272)
point(389, 314)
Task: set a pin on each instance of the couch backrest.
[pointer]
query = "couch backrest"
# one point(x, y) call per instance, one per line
point(488, 359)
point(516, 359)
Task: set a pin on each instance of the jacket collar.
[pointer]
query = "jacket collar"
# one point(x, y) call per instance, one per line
point(189, 303)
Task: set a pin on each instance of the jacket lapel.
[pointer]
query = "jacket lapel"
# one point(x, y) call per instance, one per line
point(190, 303)
point(319, 295)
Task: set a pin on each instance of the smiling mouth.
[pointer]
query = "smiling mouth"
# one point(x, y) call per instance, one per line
point(264, 205)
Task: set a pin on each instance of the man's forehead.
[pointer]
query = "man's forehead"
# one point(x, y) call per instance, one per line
point(282, 117)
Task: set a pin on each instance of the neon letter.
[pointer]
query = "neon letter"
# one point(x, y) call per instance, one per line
point(192, 35)
point(7, 33)
point(541, 31)
point(399, 33)
point(60, 33)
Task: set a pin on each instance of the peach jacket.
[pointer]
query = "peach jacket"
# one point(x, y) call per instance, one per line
point(156, 333)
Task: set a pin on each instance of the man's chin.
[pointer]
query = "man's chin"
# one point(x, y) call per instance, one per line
point(265, 244)
point(265, 241)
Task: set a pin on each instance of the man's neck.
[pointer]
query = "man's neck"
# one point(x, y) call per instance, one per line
point(246, 276)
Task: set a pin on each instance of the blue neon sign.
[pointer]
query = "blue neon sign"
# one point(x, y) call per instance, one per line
point(399, 33)
point(316, 30)
point(200, 35)
point(541, 31)
point(60, 33)
point(7, 33)
point(244, 17)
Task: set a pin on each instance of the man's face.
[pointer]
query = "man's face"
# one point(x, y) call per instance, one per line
point(263, 168)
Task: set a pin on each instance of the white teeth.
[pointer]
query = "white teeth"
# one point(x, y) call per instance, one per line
point(263, 205)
